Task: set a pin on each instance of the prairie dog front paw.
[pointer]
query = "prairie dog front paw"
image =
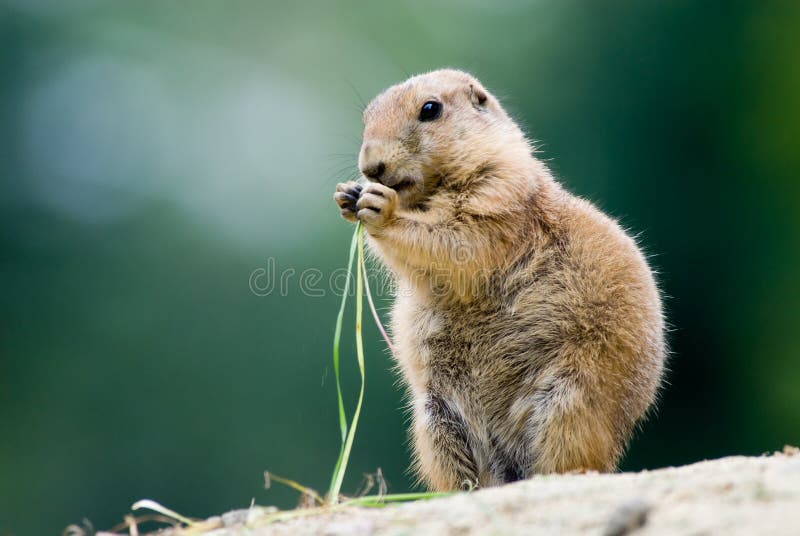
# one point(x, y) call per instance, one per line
point(346, 196)
point(376, 207)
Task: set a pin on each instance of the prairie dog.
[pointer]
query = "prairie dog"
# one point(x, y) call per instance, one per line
point(527, 325)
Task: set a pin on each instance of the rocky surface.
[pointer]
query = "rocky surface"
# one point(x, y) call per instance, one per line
point(731, 496)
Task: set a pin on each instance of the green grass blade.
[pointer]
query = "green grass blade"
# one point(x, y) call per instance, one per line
point(380, 500)
point(341, 466)
point(336, 339)
point(375, 311)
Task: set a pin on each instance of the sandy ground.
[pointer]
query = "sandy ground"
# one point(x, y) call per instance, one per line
point(737, 495)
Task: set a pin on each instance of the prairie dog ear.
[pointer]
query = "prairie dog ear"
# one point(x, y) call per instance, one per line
point(477, 95)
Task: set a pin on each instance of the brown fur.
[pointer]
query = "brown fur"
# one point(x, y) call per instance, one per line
point(527, 324)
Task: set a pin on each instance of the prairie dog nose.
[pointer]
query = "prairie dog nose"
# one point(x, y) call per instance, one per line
point(374, 159)
point(374, 171)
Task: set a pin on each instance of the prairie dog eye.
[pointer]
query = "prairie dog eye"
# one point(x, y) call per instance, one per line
point(430, 110)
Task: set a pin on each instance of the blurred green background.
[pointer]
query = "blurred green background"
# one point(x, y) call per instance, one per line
point(153, 155)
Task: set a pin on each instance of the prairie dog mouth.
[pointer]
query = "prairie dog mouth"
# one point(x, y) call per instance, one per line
point(403, 184)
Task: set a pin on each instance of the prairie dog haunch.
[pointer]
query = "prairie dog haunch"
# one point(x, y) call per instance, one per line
point(527, 324)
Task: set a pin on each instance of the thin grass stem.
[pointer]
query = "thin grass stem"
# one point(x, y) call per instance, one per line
point(375, 311)
point(269, 477)
point(344, 457)
point(338, 473)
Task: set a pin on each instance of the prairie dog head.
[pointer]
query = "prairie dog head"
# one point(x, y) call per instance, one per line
point(434, 129)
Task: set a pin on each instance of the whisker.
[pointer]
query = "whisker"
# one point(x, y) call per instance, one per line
point(361, 103)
